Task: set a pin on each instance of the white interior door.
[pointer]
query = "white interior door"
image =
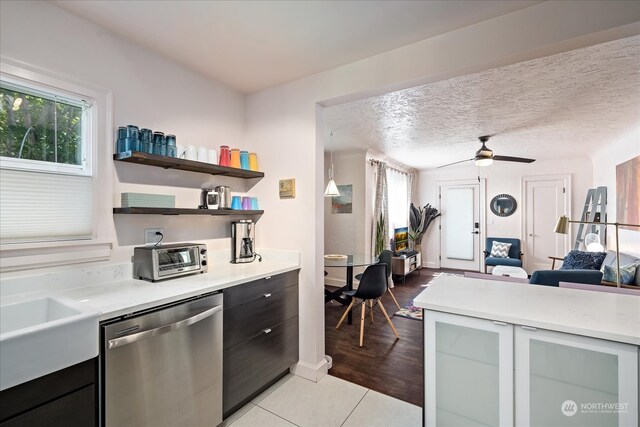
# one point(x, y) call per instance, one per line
point(460, 226)
point(546, 199)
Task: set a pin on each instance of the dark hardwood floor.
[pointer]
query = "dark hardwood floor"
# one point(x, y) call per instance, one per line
point(384, 364)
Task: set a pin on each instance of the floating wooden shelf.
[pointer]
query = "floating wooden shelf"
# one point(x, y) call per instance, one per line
point(185, 211)
point(183, 164)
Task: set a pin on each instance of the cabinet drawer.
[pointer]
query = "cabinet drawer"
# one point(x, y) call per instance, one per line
point(249, 291)
point(247, 320)
point(49, 387)
point(251, 365)
point(75, 409)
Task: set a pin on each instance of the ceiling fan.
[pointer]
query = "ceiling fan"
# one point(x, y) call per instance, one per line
point(484, 156)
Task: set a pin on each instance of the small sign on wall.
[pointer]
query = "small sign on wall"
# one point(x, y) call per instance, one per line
point(287, 188)
point(344, 202)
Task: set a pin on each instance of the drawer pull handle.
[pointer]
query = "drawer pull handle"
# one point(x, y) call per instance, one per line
point(495, 322)
point(528, 328)
point(266, 295)
point(267, 331)
point(268, 277)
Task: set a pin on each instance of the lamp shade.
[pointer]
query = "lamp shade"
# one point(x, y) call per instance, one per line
point(562, 226)
point(332, 189)
point(484, 162)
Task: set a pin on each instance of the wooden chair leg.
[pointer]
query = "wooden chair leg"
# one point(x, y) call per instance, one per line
point(387, 317)
point(362, 324)
point(371, 309)
point(345, 313)
point(394, 298)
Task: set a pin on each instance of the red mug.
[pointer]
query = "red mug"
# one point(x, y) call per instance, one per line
point(225, 156)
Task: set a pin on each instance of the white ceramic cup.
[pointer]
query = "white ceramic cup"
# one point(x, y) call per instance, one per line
point(202, 154)
point(212, 156)
point(191, 153)
point(180, 151)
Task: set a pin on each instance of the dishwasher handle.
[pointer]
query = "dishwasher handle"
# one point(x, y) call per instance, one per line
point(118, 342)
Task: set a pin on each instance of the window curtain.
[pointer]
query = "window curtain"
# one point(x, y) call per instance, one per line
point(380, 207)
point(398, 199)
point(412, 186)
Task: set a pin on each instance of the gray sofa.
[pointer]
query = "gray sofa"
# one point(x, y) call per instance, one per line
point(590, 277)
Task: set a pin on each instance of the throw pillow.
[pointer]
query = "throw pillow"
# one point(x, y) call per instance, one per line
point(500, 249)
point(627, 273)
point(583, 260)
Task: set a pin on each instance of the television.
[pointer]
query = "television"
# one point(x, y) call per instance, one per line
point(401, 239)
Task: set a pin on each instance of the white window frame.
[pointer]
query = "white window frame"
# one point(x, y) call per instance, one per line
point(88, 128)
point(99, 165)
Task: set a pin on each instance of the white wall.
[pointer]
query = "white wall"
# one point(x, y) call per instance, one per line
point(605, 160)
point(285, 122)
point(149, 91)
point(345, 233)
point(502, 177)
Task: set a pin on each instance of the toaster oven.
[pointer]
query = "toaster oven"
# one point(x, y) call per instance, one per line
point(167, 261)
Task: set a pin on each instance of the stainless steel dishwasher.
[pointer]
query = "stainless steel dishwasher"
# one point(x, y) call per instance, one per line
point(164, 367)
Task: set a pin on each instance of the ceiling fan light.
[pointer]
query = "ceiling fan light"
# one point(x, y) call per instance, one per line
point(332, 189)
point(484, 162)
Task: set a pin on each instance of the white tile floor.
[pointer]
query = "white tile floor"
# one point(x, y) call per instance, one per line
point(331, 402)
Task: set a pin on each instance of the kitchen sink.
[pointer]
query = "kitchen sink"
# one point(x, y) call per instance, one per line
point(44, 335)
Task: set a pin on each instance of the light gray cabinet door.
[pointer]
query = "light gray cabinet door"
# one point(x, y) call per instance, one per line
point(468, 371)
point(569, 380)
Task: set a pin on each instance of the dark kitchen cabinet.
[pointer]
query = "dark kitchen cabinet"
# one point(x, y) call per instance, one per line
point(64, 398)
point(260, 336)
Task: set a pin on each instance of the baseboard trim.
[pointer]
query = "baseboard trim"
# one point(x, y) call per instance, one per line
point(311, 372)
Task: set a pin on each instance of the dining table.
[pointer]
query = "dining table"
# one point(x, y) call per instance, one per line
point(346, 261)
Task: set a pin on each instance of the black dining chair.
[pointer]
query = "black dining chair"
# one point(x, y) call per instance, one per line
point(384, 257)
point(373, 285)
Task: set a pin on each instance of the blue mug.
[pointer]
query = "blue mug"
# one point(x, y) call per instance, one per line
point(236, 203)
point(244, 160)
point(254, 204)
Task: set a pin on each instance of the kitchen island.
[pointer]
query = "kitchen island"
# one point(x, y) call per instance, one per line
point(500, 353)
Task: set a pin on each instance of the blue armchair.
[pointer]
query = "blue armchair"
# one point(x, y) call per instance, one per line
point(515, 255)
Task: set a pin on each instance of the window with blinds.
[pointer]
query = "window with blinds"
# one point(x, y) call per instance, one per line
point(45, 165)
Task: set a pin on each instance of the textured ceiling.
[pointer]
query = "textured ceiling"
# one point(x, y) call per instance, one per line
point(252, 45)
point(555, 106)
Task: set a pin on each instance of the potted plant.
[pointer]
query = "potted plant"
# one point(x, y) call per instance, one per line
point(419, 221)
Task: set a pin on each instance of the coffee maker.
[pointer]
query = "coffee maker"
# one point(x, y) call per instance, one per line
point(243, 238)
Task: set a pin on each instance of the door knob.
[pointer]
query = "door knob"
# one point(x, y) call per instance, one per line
point(530, 234)
point(475, 232)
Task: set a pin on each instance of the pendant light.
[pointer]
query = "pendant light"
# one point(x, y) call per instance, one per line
point(332, 188)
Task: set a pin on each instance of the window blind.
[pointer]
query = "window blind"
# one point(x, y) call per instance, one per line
point(40, 207)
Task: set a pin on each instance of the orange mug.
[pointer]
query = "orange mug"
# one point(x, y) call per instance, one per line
point(235, 158)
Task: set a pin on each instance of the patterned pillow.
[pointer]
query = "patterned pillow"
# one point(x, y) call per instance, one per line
point(500, 249)
point(583, 260)
point(627, 273)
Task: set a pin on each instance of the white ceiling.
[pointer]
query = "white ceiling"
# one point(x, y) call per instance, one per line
point(551, 107)
point(252, 45)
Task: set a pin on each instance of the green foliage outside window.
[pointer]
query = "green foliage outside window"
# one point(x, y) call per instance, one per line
point(36, 128)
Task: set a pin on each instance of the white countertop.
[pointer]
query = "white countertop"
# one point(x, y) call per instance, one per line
point(127, 295)
point(609, 316)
